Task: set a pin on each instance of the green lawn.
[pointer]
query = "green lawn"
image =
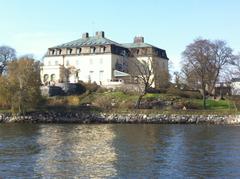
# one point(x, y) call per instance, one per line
point(214, 104)
point(125, 103)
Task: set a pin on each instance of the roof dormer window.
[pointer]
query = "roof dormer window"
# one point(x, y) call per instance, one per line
point(52, 52)
point(102, 49)
point(163, 54)
point(92, 50)
point(79, 50)
point(59, 52)
point(69, 51)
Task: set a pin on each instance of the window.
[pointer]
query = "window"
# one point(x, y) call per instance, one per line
point(92, 50)
point(56, 62)
point(53, 77)
point(67, 63)
point(45, 78)
point(79, 50)
point(90, 75)
point(52, 52)
point(69, 51)
point(59, 51)
point(119, 65)
point(102, 50)
point(163, 54)
point(101, 61)
point(49, 62)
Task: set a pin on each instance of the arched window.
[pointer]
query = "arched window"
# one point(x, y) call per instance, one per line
point(53, 77)
point(45, 78)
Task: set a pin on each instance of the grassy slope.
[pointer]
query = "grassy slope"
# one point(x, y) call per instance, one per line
point(125, 103)
point(121, 99)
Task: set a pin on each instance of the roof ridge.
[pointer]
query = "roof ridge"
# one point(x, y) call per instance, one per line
point(139, 45)
point(90, 41)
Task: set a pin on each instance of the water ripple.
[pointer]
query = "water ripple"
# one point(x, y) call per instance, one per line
point(119, 151)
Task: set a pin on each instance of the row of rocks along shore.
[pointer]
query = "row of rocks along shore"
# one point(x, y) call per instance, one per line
point(88, 118)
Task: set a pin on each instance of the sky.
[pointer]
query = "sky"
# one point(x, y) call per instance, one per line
point(31, 27)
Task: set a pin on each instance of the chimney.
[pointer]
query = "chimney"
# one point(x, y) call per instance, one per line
point(138, 39)
point(85, 35)
point(100, 34)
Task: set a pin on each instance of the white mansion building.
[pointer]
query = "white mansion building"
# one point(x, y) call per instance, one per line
point(98, 59)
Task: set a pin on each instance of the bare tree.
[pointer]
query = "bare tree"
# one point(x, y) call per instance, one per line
point(64, 74)
point(235, 67)
point(204, 62)
point(7, 54)
point(178, 79)
point(197, 59)
point(221, 57)
point(142, 71)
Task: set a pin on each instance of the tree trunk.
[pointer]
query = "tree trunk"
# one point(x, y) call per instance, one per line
point(139, 101)
point(204, 99)
point(204, 94)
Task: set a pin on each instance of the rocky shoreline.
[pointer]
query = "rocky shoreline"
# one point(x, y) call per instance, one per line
point(88, 118)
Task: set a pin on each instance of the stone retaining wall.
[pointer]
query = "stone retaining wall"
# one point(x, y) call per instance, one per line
point(80, 117)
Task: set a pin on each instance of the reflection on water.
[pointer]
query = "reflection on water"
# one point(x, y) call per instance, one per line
point(119, 151)
point(78, 151)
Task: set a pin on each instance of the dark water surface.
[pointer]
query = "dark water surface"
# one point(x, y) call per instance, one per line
point(119, 151)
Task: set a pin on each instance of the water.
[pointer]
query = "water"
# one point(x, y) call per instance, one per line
point(119, 151)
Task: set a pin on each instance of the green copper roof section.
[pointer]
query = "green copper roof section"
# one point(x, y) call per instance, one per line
point(137, 45)
point(90, 41)
point(117, 73)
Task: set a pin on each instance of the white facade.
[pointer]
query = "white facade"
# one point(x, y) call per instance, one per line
point(93, 68)
point(92, 59)
point(235, 87)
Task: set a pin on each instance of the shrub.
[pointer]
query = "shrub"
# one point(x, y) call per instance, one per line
point(56, 101)
point(80, 88)
point(192, 105)
point(86, 98)
point(101, 90)
point(73, 100)
point(185, 94)
point(174, 91)
point(103, 102)
point(127, 105)
point(92, 87)
point(155, 90)
point(193, 94)
point(162, 90)
point(127, 90)
point(187, 104)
